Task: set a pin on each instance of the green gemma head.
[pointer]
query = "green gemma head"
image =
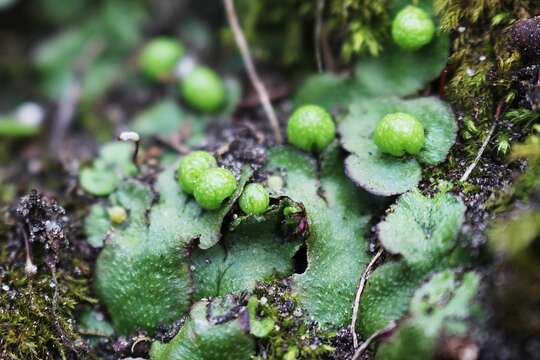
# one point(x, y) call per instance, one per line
point(192, 166)
point(214, 186)
point(310, 128)
point(399, 133)
point(203, 89)
point(159, 57)
point(412, 28)
point(254, 200)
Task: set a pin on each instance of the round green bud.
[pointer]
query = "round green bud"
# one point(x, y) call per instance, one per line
point(192, 166)
point(310, 128)
point(214, 186)
point(159, 57)
point(254, 200)
point(203, 89)
point(399, 133)
point(117, 214)
point(412, 28)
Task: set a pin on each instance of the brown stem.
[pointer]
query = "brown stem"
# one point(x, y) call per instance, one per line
point(471, 167)
point(360, 289)
point(317, 35)
point(250, 68)
point(379, 333)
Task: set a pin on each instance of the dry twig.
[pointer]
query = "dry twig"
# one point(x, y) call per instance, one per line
point(382, 332)
point(250, 68)
point(471, 167)
point(360, 289)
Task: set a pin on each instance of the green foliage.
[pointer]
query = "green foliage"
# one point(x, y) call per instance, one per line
point(336, 220)
point(366, 23)
point(203, 90)
point(399, 133)
point(513, 235)
point(161, 118)
point(113, 163)
point(528, 183)
point(386, 175)
point(422, 230)
point(92, 324)
point(254, 200)
point(103, 36)
point(216, 329)
point(255, 248)
point(96, 224)
point(326, 90)
point(438, 307)
point(311, 128)
point(400, 72)
point(361, 27)
point(258, 327)
point(150, 250)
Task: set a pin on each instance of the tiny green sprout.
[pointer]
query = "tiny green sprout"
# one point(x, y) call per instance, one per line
point(291, 210)
point(203, 89)
point(214, 186)
point(311, 127)
point(399, 133)
point(503, 144)
point(159, 57)
point(254, 200)
point(412, 28)
point(192, 166)
point(117, 214)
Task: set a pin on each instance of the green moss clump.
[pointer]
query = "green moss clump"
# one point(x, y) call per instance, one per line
point(292, 337)
point(28, 327)
point(39, 296)
point(360, 26)
point(482, 65)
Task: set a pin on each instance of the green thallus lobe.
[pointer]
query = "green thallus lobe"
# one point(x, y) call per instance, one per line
point(192, 166)
point(214, 186)
point(399, 133)
point(254, 200)
point(310, 128)
point(203, 89)
point(412, 28)
point(159, 57)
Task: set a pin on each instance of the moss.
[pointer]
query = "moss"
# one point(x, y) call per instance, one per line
point(28, 326)
point(292, 333)
point(37, 309)
point(365, 25)
point(481, 65)
point(286, 28)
